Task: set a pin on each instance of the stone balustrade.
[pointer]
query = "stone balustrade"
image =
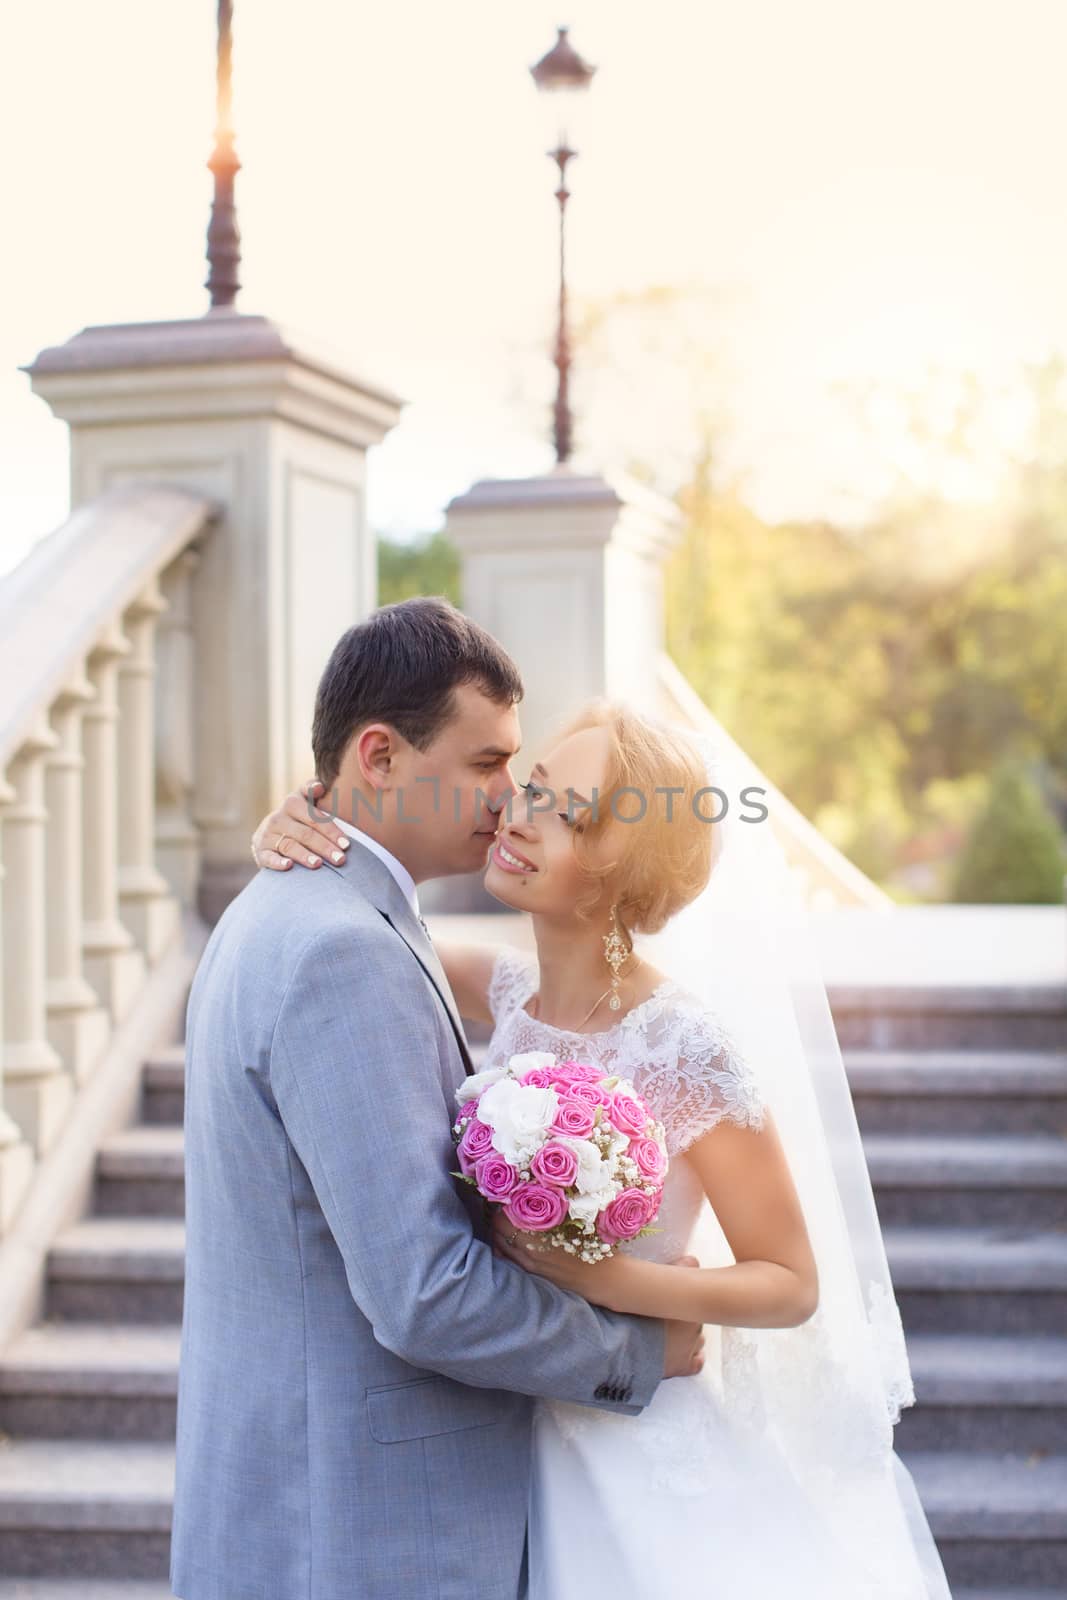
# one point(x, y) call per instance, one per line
point(98, 841)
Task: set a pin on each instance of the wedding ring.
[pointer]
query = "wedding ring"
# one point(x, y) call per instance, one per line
point(513, 1238)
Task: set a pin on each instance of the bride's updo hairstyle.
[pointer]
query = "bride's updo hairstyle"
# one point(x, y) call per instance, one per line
point(649, 852)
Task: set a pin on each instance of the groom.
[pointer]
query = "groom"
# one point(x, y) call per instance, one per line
point(357, 1367)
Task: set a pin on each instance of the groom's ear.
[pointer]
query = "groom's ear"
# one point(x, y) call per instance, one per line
point(375, 749)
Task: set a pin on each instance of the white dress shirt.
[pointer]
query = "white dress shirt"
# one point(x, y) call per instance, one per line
point(402, 876)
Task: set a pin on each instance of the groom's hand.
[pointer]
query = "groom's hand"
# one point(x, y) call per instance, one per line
point(685, 1340)
point(683, 1355)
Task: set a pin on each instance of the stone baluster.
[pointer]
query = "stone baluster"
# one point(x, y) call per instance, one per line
point(146, 905)
point(16, 1156)
point(78, 1026)
point(113, 963)
point(177, 837)
point(37, 1090)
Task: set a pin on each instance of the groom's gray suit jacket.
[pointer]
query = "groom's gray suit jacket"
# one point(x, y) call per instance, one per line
point(356, 1366)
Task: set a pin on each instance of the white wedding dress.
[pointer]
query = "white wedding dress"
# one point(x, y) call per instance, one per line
point(690, 1499)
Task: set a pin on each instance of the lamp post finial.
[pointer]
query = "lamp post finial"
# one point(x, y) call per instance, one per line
point(223, 236)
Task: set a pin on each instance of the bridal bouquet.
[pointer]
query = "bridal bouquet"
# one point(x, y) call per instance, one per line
point(571, 1153)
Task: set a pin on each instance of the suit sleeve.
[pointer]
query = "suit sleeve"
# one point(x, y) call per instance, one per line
point(356, 1074)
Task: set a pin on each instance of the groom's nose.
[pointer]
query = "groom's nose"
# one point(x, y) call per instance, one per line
point(502, 790)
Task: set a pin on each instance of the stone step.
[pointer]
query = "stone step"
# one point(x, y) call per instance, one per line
point(973, 1179)
point(1011, 1593)
point(118, 1269)
point(950, 1017)
point(140, 1172)
point(83, 1380)
point(959, 1092)
point(79, 1589)
point(998, 1519)
point(979, 1280)
point(991, 1594)
point(88, 1508)
point(985, 1392)
point(163, 1086)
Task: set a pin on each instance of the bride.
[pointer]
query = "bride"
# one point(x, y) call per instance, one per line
point(773, 1473)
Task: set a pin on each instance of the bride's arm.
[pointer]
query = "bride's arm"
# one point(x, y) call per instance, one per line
point(773, 1282)
point(297, 833)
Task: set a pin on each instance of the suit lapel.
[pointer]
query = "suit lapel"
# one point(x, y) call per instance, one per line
point(369, 875)
point(428, 960)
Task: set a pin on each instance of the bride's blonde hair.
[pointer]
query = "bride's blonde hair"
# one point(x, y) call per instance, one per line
point(644, 849)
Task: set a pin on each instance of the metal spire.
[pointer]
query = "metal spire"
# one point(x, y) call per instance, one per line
point(223, 237)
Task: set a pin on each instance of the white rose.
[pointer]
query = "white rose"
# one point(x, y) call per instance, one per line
point(585, 1208)
point(520, 1116)
point(530, 1059)
point(593, 1173)
point(473, 1086)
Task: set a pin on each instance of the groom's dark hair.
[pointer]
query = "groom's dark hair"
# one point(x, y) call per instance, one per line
point(401, 666)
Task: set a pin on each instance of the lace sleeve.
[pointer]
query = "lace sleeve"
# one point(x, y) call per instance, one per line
point(705, 1078)
point(511, 981)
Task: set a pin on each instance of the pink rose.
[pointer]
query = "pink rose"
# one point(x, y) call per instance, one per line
point(580, 1090)
point(477, 1141)
point(574, 1117)
point(538, 1076)
point(651, 1162)
point(467, 1110)
point(627, 1114)
point(535, 1207)
point(496, 1177)
point(576, 1072)
point(626, 1215)
point(555, 1163)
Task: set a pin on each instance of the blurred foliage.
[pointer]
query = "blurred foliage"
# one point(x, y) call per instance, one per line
point(1013, 850)
point(426, 566)
point(881, 674)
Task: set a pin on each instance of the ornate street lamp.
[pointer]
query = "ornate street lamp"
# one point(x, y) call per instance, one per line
point(223, 237)
point(563, 78)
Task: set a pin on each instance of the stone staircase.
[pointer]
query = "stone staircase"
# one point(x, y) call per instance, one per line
point(967, 1142)
point(962, 1100)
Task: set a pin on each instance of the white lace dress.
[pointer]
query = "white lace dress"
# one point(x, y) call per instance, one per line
point(682, 1500)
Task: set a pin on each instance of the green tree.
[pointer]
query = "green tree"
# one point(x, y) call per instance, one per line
point(427, 566)
point(1013, 852)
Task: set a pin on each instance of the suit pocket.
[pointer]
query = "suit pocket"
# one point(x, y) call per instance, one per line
point(430, 1406)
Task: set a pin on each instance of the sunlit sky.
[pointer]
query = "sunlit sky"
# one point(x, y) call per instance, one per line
point(858, 189)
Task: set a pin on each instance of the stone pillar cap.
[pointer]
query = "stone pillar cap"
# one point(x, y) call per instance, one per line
point(223, 364)
point(566, 506)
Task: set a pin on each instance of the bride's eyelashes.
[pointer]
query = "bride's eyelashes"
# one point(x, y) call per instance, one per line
point(535, 789)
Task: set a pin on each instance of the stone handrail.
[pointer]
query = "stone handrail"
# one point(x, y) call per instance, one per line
point(827, 877)
point(98, 848)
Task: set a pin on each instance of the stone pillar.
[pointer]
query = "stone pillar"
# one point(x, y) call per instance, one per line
point(78, 1026)
point(16, 1156)
point(113, 964)
point(276, 432)
point(37, 1090)
point(566, 570)
point(146, 905)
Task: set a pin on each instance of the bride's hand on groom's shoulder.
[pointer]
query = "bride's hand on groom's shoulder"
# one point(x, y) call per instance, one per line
point(298, 833)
